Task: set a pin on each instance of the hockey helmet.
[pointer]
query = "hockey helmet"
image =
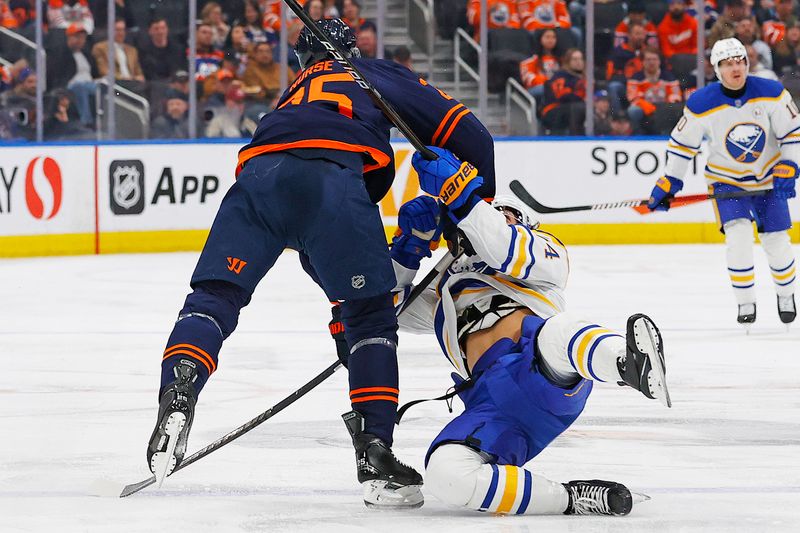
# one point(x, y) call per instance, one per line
point(515, 207)
point(726, 49)
point(310, 50)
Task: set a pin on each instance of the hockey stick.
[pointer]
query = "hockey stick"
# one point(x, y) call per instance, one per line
point(340, 56)
point(133, 488)
point(639, 205)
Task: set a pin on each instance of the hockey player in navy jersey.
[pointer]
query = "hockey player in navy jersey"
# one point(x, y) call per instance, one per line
point(499, 315)
point(753, 130)
point(309, 180)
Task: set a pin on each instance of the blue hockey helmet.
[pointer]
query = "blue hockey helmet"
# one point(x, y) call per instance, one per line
point(310, 50)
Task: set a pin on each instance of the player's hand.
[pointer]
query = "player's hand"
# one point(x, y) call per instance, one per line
point(419, 217)
point(665, 190)
point(453, 181)
point(336, 327)
point(784, 176)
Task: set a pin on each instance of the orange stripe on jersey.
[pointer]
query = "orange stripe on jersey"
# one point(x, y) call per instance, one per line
point(452, 127)
point(381, 159)
point(374, 389)
point(443, 123)
point(372, 398)
point(198, 352)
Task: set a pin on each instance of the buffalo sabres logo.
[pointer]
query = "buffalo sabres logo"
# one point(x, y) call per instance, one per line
point(745, 142)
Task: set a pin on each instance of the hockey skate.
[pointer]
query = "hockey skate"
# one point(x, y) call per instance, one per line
point(747, 315)
point(786, 309)
point(387, 483)
point(643, 367)
point(598, 497)
point(167, 445)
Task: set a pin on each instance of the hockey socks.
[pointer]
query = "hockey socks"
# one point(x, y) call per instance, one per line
point(739, 256)
point(195, 341)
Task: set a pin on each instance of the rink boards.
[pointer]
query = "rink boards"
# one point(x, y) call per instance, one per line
point(149, 197)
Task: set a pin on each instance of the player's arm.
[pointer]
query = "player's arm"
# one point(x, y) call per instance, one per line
point(785, 120)
point(682, 147)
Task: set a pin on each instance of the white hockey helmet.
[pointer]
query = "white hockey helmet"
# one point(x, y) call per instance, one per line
point(524, 214)
point(726, 49)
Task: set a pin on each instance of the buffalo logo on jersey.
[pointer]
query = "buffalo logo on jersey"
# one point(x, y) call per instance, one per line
point(456, 183)
point(745, 142)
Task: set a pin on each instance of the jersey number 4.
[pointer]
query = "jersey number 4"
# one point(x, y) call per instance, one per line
point(317, 93)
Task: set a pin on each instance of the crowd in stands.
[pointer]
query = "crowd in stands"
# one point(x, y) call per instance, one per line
point(644, 65)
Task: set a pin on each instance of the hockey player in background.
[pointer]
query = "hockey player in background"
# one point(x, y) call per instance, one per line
point(525, 366)
point(310, 180)
point(753, 130)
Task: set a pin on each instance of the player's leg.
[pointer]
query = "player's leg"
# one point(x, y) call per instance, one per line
point(229, 268)
point(460, 475)
point(774, 221)
point(571, 348)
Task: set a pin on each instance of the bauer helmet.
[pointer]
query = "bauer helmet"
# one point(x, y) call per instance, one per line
point(310, 50)
point(727, 49)
point(513, 206)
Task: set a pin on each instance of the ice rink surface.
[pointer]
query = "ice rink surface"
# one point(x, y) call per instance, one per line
point(81, 341)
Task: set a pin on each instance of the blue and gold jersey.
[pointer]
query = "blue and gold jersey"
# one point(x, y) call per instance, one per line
point(326, 109)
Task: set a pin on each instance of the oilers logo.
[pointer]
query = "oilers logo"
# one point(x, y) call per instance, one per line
point(745, 142)
point(500, 15)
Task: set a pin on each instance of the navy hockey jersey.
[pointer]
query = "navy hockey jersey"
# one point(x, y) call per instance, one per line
point(325, 108)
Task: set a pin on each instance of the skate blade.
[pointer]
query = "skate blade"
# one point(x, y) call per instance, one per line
point(639, 497)
point(656, 363)
point(377, 495)
point(163, 463)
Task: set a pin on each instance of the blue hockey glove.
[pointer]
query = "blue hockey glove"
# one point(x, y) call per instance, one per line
point(784, 175)
point(453, 181)
point(418, 222)
point(665, 190)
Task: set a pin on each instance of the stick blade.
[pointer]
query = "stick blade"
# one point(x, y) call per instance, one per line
point(136, 487)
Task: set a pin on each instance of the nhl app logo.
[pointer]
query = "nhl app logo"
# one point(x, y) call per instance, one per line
point(126, 186)
point(745, 142)
point(358, 281)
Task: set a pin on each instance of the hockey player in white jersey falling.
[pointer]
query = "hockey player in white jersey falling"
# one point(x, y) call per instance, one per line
point(498, 313)
point(753, 130)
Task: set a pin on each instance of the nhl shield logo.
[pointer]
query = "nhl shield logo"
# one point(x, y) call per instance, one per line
point(126, 187)
point(358, 281)
point(745, 142)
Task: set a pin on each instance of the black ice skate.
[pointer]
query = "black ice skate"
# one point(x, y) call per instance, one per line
point(175, 414)
point(786, 309)
point(595, 496)
point(387, 482)
point(747, 314)
point(644, 368)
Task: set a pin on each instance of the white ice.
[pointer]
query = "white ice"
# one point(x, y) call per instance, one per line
point(80, 348)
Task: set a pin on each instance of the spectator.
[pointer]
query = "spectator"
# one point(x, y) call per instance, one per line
point(7, 18)
point(238, 48)
point(774, 29)
point(126, 64)
point(272, 17)
point(252, 22)
point(5, 78)
point(746, 32)
point(367, 40)
point(725, 27)
point(648, 90)
point(173, 123)
point(638, 15)
point(786, 52)
point(621, 125)
point(765, 11)
point(624, 61)
point(212, 16)
point(74, 67)
point(62, 14)
point(62, 122)
point(351, 9)
point(677, 31)
point(330, 10)
point(540, 67)
point(602, 114)
point(18, 105)
point(159, 54)
point(180, 82)
point(757, 68)
point(564, 110)
point(208, 57)
point(99, 9)
point(501, 14)
point(710, 14)
point(215, 87)
point(544, 14)
point(23, 13)
point(262, 79)
point(402, 56)
point(315, 9)
point(227, 121)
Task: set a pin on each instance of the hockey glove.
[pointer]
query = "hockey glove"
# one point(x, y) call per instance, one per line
point(453, 181)
point(784, 175)
point(665, 190)
point(418, 231)
point(336, 327)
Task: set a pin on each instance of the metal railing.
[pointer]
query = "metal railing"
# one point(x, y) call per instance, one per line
point(135, 105)
point(523, 122)
point(421, 28)
point(459, 62)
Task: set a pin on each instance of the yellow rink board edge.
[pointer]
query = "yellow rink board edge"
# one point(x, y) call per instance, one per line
point(193, 240)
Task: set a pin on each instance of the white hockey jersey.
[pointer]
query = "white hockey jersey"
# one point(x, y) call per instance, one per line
point(528, 266)
point(746, 136)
